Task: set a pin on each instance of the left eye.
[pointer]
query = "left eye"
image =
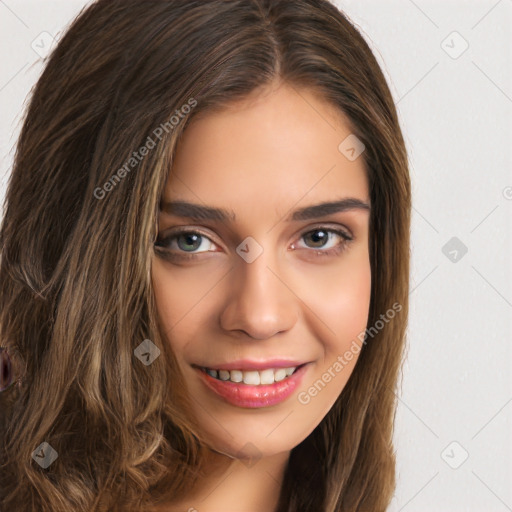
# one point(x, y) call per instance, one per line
point(188, 242)
point(322, 235)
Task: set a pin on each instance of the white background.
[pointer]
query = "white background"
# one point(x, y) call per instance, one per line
point(455, 108)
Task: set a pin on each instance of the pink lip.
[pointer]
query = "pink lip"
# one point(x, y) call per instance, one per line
point(245, 395)
point(252, 364)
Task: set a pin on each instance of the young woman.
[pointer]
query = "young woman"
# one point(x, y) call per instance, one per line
point(204, 265)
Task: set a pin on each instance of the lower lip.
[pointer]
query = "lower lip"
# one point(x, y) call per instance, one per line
point(245, 395)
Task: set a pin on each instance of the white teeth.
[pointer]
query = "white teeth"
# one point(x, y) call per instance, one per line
point(223, 375)
point(267, 377)
point(236, 375)
point(280, 374)
point(253, 377)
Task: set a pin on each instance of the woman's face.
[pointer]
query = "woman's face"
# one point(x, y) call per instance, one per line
point(258, 281)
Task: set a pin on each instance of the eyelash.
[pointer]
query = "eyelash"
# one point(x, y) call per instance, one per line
point(334, 251)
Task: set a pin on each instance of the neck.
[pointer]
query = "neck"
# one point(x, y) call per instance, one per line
point(242, 486)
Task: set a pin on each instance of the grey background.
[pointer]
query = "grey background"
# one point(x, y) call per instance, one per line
point(454, 420)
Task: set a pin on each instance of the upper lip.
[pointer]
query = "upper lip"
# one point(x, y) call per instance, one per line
point(252, 364)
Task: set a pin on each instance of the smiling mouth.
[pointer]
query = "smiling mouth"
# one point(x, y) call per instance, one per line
point(252, 377)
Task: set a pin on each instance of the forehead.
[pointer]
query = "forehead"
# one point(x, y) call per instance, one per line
point(267, 152)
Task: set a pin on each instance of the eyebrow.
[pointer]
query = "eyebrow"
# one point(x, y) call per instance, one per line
point(200, 212)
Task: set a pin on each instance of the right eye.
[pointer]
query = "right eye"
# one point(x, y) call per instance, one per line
point(186, 242)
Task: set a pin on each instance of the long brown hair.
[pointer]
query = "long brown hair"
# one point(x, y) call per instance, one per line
point(78, 232)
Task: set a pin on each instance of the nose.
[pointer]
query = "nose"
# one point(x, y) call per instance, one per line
point(261, 303)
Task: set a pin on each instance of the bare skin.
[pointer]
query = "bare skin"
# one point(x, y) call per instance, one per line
point(304, 298)
point(246, 486)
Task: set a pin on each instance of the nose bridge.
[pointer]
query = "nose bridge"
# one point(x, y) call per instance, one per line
point(260, 303)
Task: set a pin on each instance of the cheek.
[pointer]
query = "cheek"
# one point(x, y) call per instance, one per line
point(174, 302)
point(342, 305)
point(341, 299)
point(181, 297)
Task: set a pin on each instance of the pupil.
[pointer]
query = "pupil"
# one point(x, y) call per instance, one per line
point(317, 238)
point(196, 239)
